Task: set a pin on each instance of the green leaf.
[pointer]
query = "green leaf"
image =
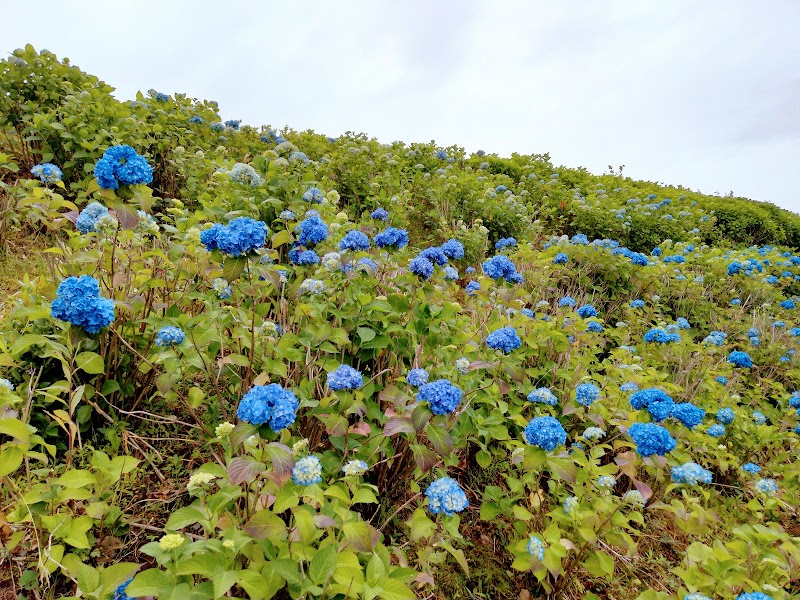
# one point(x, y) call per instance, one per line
point(366, 334)
point(87, 576)
point(151, 582)
point(323, 564)
point(76, 478)
point(266, 525)
point(599, 564)
point(393, 589)
point(233, 267)
point(281, 238)
point(183, 517)
point(439, 438)
point(90, 362)
point(114, 575)
point(15, 428)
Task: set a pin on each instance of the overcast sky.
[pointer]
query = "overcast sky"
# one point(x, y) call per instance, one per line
point(704, 94)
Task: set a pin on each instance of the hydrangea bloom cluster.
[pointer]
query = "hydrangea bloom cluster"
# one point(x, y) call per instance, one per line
point(586, 311)
point(740, 359)
point(313, 230)
point(380, 214)
point(472, 287)
point(505, 339)
point(270, 404)
point(545, 432)
point(47, 172)
point(767, 487)
point(450, 273)
point(500, 267)
point(354, 468)
point(543, 395)
point(638, 303)
point(594, 327)
point(221, 288)
point(660, 336)
point(446, 496)
point(688, 414)
point(313, 287)
point(303, 257)
point(6, 384)
point(78, 302)
point(535, 547)
point(307, 471)
point(751, 468)
point(345, 378)
point(567, 301)
point(120, 594)
point(586, 393)
point(716, 430)
point(570, 504)
point(239, 237)
point(392, 237)
point(606, 481)
point(629, 386)
point(442, 395)
point(313, 195)
point(88, 217)
point(651, 439)
point(658, 403)
point(417, 377)
point(421, 266)
point(759, 418)
point(560, 259)
point(354, 240)
point(245, 174)
point(725, 416)
point(593, 434)
point(170, 336)
point(453, 249)
point(121, 165)
point(690, 473)
point(508, 242)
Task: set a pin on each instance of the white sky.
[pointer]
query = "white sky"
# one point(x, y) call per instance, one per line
point(704, 94)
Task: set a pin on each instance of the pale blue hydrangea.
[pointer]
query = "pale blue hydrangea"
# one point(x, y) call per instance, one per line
point(88, 217)
point(354, 468)
point(593, 434)
point(6, 384)
point(570, 504)
point(725, 416)
point(313, 195)
point(759, 418)
point(245, 174)
point(690, 473)
point(586, 393)
point(307, 471)
point(535, 548)
point(462, 365)
point(606, 482)
point(312, 287)
point(417, 377)
point(446, 496)
point(634, 497)
point(450, 273)
point(221, 288)
point(47, 172)
point(767, 487)
point(543, 395)
point(170, 336)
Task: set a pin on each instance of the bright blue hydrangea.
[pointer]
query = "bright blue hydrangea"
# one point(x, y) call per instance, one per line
point(658, 403)
point(567, 301)
point(446, 496)
point(453, 249)
point(313, 230)
point(508, 242)
point(716, 431)
point(751, 468)
point(120, 593)
point(794, 400)
point(307, 471)
point(47, 172)
point(472, 287)
point(543, 395)
point(197, 120)
point(759, 418)
point(417, 377)
point(683, 323)
point(78, 302)
point(660, 336)
point(392, 237)
point(270, 404)
point(545, 432)
point(535, 548)
point(690, 473)
point(313, 195)
point(421, 266)
point(580, 239)
point(121, 165)
point(725, 416)
point(788, 304)
point(88, 217)
point(380, 214)
point(594, 327)
point(303, 257)
point(586, 393)
point(345, 378)
point(688, 414)
point(638, 303)
point(434, 254)
point(442, 395)
point(354, 240)
point(753, 596)
point(740, 359)
point(170, 336)
point(239, 237)
point(586, 311)
point(560, 259)
point(505, 339)
point(722, 379)
point(500, 267)
point(233, 124)
point(651, 439)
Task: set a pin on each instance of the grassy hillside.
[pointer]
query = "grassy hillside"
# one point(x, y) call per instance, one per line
point(250, 363)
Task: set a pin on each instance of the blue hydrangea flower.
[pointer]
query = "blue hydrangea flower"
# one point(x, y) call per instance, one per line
point(217, 126)
point(593, 434)
point(567, 301)
point(508, 242)
point(380, 214)
point(505, 339)
point(629, 386)
point(472, 287)
point(638, 303)
point(307, 471)
point(651, 439)
point(716, 431)
point(570, 504)
point(543, 395)
point(6, 384)
point(303, 257)
point(751, 468)
point(753, 596)
point(233, 124)
point(683, 323)
point(367, 263)
point(580, 239)
point(440, 154)
point(788, 304)
point(355, 468)
point(594, 327)
point(660, 336)
point(759, 418)
point(450, 273)
point(121, 165)
point(270, 404)
point(740, 359)
point(197, 120)
point(417, 377)
point(170, 336)
point(47, 172)
point(500, 267)
point(725, 416)
point(298, 156)
point(435, 254)
point(722, 379)
point(535, 548)
point(354, 240)
point(586, 311)
point(766, 486)
point(421, 266)
point(245, 174)
point(120, 594)
point(88, 217)
point(313, 230)
point(392, 237)
point(545, 432)
point(78, 302)
point(606, 481)
point(560, 259)
point(688, 414)
point(690, 473)
point(312, 286)
point(442, 395)
point(453, 249)
point(658, 403)
point(239, 237)
point(634, 497)
point(446, 496)
point(345, 378)
point(313, 195)
point(794, 400)
point(586, 393)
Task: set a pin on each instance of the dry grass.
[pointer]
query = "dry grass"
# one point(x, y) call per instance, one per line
point(19, 255)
